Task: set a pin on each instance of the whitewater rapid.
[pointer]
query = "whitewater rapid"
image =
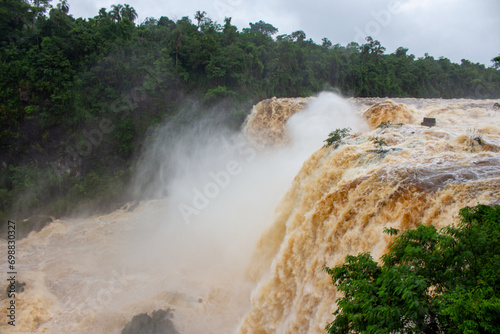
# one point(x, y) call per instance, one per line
point(243, 223)
point(343, 198)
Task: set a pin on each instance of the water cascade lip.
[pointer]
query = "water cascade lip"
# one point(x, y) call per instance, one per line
point(265, 126)
point(388, 111)
point(270, 206)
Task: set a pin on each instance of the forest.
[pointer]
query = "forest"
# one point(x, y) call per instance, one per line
point(79, 97)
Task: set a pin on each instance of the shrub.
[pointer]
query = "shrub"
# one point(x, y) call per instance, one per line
point(335, 137)
point(428, 282)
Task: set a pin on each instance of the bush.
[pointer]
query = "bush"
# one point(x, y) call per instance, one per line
point(335, 137)
point(429, 281)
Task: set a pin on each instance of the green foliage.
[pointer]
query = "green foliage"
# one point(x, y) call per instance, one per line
point(391, 231)
point(335, 137)
point(496, 62)
point(219, 91)
point(98, 184)
point(28, 191)
point(60, 76)
point(263, 28)
point(379, 143)
point(124, 133)
point(428, 282)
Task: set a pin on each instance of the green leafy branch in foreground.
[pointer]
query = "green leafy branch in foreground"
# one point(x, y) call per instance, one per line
point(335, 137)
point(428, 282)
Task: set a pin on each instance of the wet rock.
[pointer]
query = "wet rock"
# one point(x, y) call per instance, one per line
point(428, 121)
point(17, 288)
point(160, 322)
point(33, 223)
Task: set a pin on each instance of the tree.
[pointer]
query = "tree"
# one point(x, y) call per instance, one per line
point(115, 12)
point(200, 17)
point(166, 22)
point(15, 15)
point(299, 35)
point(262, 27)
point(496, 62)
point(401, 52)
point(103, 14)
point(429, 281)
point(373, 47)
point(326, 43)
point(63, 6)
point(230, 32)
point(128, 13)
point(150, 22)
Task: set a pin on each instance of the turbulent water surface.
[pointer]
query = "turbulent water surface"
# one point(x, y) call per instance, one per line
point(244, 222)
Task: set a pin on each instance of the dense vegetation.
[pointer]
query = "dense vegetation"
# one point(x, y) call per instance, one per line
point(78, 95)
point(428, 282)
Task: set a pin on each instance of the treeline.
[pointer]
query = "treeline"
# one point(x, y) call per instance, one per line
point(78, 95)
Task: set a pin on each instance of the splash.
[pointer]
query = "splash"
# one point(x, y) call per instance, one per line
point(388, 111)
point(211, 194)
point(227, 219)
point(265, 126)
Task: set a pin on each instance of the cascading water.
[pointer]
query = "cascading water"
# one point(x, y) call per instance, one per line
point(234, 215)
point(342, 199)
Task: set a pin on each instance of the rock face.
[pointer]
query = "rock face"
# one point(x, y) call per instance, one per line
point(388, 111)
point(33, 223)
point(266, 124)
point(160, 322)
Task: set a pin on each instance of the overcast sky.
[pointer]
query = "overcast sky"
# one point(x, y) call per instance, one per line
point(455, 29)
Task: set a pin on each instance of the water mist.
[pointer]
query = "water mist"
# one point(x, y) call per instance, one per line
point(207, 195)
point(232, 232)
